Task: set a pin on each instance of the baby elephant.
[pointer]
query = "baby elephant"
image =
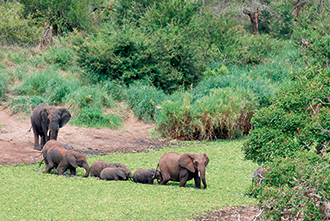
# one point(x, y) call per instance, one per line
point(146, 176)
point(114, 174)
point(99, 165)
point(61, 158)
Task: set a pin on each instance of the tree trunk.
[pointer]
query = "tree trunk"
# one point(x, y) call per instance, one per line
point(254, 20)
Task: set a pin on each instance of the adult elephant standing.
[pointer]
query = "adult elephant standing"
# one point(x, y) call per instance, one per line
point(177, 167)
point(46, 122)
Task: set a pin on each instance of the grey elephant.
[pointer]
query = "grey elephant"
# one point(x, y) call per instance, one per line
point(61, 158)
point(183, 167)
point(46, 122)
point(146, 176)
point(116, 174)
point(49, 145)
point(98, 165)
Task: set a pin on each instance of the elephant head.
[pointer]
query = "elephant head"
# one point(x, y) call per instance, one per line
point(53, 119)
point(76, 159)
point(46, 121)
point(195, 163)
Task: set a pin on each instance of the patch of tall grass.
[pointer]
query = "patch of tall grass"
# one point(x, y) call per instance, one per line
point(223, 113)
point(39, 196)
point(143, 100)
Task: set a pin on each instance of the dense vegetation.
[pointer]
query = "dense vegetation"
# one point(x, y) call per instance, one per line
point(199, 70)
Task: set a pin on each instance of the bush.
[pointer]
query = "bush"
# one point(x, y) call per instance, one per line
point(224, 113)
point(295, 187)
point(295, 121)
point(89, 97)
point(48, 85)
point(63, 56)
point(63, 16)
point(16, 28)
point(164, 57)
point(23, 104)
point(95, 117)
point(143, 100)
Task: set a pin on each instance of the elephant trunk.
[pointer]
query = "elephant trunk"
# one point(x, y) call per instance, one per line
point(53, 135)
point(202, 173)
point(86, 167)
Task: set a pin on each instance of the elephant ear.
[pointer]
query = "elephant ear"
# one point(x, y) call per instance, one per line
point(121, 173)
point(186, 161)
point(44, 115)
point(206, 158)
point(71, 158)
point(65, 116)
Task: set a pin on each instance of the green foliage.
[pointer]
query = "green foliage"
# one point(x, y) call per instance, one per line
point(95, 117)
point(49, 85)
point(316, 32)
point(295, 121)
point(60, 197)
point(127, 54)
point(23, 104)
point(223, 113)
point(63, 56)
point(90, 96)
point(295, 187)
point(3, 86)
point(143, 100)
point(16, 28)
point(63, 16)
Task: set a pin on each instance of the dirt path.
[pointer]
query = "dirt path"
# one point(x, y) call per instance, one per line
point(16, 142)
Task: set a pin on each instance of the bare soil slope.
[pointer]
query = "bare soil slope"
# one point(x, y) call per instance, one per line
point(16, 141)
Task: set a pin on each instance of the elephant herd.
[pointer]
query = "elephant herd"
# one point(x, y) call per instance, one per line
point(173, 166)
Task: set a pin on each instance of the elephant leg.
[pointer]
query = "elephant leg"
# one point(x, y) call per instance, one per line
point(61, 168)
point(183, 181)
point(198, 182)
point(166, 178)
point(49, 167)
point(43, 141)
point(36, 140)
point(72, 171)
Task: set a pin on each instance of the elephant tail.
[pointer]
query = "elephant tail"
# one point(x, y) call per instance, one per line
point(154, 176)
point(30, 129)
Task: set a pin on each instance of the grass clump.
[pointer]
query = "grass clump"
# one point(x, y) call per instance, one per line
point(59, 197)
point(23, 104)
point(224, 113)
point(95, 117)
point(143, 100)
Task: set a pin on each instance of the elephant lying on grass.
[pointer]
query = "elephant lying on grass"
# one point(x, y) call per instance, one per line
point(99, 165)
point(146, 176)
point(116, 174)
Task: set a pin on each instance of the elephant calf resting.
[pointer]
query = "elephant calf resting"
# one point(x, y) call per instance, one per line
point(99, 165)
point(146, 176)
point(61, 158)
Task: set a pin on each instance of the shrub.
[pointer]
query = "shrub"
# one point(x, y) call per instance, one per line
point(49, 85)
point(95, 117)
point(224, 113)
point(295, 121)
point(63, 56)
point(143, 100)
point(63, 16)
point(295, 187)
point(88, 97)
point(16, 28)
point(23, 104)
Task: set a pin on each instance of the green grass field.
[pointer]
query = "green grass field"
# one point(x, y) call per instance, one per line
point(29, 195)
